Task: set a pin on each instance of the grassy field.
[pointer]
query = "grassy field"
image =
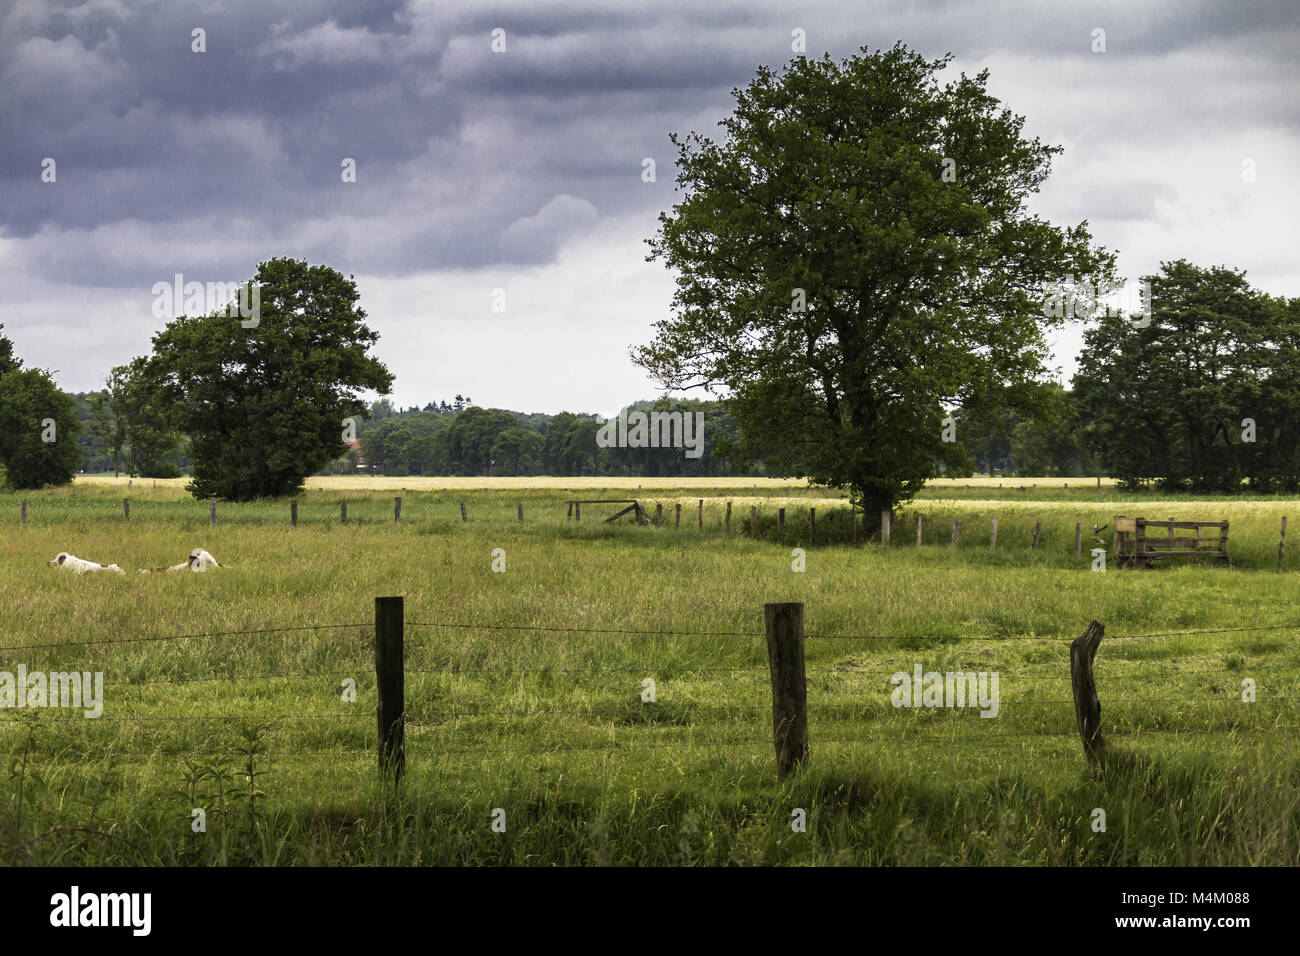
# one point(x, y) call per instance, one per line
point(524, 687)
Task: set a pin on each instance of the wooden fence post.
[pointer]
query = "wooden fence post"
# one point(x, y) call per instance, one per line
point(886, 517)
point(1281, 543)
point(126, 509)
point(956, 529)
point(728, 517)
point(390, 681)
point(701, 514)
point(465, 518)
point(521, 512)
point(397, 509)
point(23, 514)
point(753, 520)
point(1038, 530)
point(343, 512)
point(993, 539)
point(1087, 708)
point(570, 510)
point(780, 520)
point(1078, 539)
point(853, 522)
point(789, 686)
point(659, 515)
point(812, 522)
point(212, 513)
point(293, 513)
point(918, 529)
point(677, 515)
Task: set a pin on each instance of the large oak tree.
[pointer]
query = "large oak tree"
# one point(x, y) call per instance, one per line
point(854, 256)
point(264, 399)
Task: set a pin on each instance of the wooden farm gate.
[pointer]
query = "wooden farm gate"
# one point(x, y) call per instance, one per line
point(1136, 546)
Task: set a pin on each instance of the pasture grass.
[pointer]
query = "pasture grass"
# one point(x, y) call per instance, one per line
point(547, 724)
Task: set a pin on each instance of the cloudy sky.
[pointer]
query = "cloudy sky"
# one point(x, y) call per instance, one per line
point(522, 170)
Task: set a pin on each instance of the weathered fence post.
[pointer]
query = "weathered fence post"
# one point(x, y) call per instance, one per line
point(753, 520)
point(521, 512)
point(789, 686)
point(397, 509)
point(1078, 539)
point(701, 514)
point(677, 515)
point(780, 519)
point(812, 522)
point(918, 529)
point(343, 512)
point(23, 514)
point(993, 538)
point(464, 518)
point(390, 681)
point(886, 517)
point(1087, 708)
point(728, 517)
point(956, 529)
point(293, 513)
point(212, 513)
point(1281, 542)
point(659, 515)
point(1038, 530)
point(570, 510)
point(126, 509)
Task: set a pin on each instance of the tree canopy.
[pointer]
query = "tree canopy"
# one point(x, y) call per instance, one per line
point(855, 257)
point(264, 400)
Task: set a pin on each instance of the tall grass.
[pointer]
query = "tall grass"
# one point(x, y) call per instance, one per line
point(549, 725)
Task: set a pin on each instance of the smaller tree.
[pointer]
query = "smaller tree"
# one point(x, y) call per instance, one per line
point(38, 430)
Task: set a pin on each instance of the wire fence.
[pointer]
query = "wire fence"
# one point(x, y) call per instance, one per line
point(685, 711)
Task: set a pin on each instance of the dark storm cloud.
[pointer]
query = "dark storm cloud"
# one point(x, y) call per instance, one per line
point(170, 160)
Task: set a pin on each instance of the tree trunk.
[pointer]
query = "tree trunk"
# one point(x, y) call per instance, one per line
point(872, 504)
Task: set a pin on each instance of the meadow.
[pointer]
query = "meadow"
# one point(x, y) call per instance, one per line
point(226, 691)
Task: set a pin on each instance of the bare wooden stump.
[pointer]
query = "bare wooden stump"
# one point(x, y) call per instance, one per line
point(1087, 708)
point(785, 642)
point(390, 681)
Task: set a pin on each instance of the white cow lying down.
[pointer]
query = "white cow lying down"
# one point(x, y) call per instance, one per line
point(76, 565)
point(199, 560)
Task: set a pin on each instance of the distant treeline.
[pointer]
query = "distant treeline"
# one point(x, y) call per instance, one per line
point(462, 439)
